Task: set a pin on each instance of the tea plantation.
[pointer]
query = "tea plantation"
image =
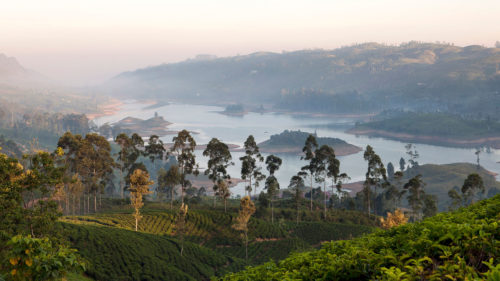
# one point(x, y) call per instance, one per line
point(461, 245)
point(115, 252)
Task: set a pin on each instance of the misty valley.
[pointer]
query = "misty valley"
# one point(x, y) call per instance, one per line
point(364, 162)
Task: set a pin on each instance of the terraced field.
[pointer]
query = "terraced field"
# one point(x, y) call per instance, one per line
point(154, 250)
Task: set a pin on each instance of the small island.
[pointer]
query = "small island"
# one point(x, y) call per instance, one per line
point(234, 110)
point(293, 141)
point(433, 128)
point(152, 126)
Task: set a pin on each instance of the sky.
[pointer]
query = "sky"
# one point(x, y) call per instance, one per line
point(87, 42)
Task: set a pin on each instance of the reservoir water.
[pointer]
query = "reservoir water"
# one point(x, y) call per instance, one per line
point(208, 123)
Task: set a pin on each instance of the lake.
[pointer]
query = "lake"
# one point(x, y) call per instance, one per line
point(208, 123)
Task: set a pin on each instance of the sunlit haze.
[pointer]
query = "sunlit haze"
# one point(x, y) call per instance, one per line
point(87, 42)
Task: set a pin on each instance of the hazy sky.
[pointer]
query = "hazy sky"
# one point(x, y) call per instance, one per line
point(89, 41)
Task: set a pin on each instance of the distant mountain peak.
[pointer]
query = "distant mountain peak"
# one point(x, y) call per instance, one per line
point(9, 66)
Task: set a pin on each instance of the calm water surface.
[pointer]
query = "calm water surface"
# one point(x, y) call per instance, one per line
point(208, 123)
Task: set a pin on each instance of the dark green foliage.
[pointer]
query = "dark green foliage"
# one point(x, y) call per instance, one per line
point(235, 108)
point(462, 244)
point(298, 138)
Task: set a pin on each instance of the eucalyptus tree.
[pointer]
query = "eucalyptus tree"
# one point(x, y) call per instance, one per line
point(247, 209)
point(272, 186)
point(139, 186)
point(249, 165)
point(376, 176)
point(413, 155)
point(219, 159)
point(183, 149)
point(415, 187)
point(123, 158)
point(309, 148)
point(323, 160)
point(402, 164)
point(95, 163)
point(155, 149)
point(390, 170)
point(472, 184)
point(167, 180)
point(296, 185)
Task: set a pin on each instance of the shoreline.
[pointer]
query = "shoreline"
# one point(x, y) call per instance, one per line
point(493, 142)
point(108, 109)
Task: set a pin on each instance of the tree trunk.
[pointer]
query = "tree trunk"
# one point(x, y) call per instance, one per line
point(311, 194)
point(68, 207)
point(122, 188)
point(324, 191)
point(375, 200)
point(246, 246)
point(88, 203)
point(225, 205)
point(297, 214)
point(182, 193)
point(215, 198)
point(172, 198)
point(272, 211)
point(95, 201)
point(136, 222)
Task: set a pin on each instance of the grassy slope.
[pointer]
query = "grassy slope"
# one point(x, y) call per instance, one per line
point(106, 240)
point(444, 247)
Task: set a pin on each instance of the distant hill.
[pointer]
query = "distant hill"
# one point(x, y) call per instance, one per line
point(434, 128)
point(440, 179)
point(359, 78)
point(13, 73)
point(9, 66)
point(293, 142)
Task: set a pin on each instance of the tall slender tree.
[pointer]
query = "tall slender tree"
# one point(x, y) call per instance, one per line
point(123, 158)
point(139, 186)
point(376, 176)
point(247, 209)
point(219, 159)
point(96, 164)
point(168, 180)
point(296, 185)
point(183, 149)
point(249, 165)
point(155, 149)
point(273, 164)
point(415, 187)
point(472, 184)
point(309, 148)
point(180, 224)
point(328, 166)
point(402, 164)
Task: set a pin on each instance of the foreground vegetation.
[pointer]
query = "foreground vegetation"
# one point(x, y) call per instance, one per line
point(461, 245)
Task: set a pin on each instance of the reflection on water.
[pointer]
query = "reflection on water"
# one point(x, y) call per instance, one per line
point(208, 123)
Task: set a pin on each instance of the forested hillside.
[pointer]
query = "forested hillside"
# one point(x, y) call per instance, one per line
point(356, 79)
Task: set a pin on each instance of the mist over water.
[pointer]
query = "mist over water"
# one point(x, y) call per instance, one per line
point(206, 122)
